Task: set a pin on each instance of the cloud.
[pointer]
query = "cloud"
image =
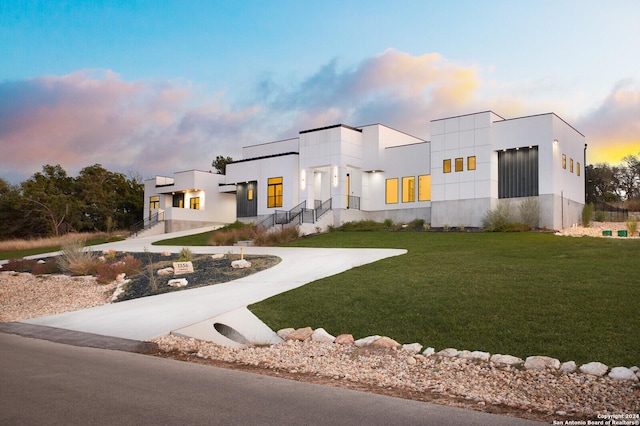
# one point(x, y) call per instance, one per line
point(159, 127)
point(613, 127)
point(92, 117)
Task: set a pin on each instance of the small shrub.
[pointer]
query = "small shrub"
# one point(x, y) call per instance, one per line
point(632, 226)
point(416, 224)
point(461, 228)
point(517, 227)
point(77, 260)
point(530, 212)
point(587, 214)
point(445, 227)
point(231, 234)
point(128, 265)
point(275, 237)
point(427, 226)
point(498, 219)
point(186, 255)
point(600, 216)
point(50, 266)
point(366, 225)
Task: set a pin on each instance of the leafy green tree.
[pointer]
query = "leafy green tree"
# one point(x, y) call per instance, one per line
point(50, 205)
point(602, 183)
point(12, 220)
point(220, 164)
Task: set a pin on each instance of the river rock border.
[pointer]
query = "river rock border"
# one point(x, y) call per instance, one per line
point(531, 363)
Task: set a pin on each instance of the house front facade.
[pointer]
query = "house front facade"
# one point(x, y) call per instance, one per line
point(335, 174)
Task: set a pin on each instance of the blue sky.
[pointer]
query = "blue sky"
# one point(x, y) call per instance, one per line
point(157, 87)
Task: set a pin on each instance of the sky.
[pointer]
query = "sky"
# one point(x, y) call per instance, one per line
point(149, 88)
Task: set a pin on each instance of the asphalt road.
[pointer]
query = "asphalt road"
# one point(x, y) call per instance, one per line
point(46, 383)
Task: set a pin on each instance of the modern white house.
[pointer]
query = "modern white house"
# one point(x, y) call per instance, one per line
point(335, 174)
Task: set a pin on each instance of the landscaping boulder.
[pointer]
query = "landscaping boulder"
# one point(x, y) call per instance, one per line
point(239, 264)
point(385, 342)
point(366, 341)
point(477, 355)
point(506, 359)
point(429, 351)
point(217, 256)
point(178, 282)
point(344, 339)
point(594, 369)
point(449, 352)
point(412, 347)
point(540, 363)
point(568, 367)
point(321, 335)
point(623, 373)
point(284, 332)
point(301, 334)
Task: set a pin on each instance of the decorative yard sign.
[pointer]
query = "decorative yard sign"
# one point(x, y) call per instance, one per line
point(182, 268)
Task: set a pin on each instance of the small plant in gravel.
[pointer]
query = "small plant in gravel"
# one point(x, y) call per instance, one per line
point(108, 271)
point(632, 226)
point(77, 260)
point(186, 255)
point(587, 214)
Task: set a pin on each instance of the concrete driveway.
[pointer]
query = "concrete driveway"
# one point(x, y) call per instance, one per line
point(148, 317)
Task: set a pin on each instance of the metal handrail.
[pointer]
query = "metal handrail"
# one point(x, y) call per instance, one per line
point(147, 223)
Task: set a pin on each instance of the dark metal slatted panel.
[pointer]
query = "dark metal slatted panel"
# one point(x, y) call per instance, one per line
point(518, 173)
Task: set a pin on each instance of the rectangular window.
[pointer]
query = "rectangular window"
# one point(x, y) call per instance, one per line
point(154, 202)
point(446, 166)
point(578, 169)
point(250, 194)
point(571, 165)
point(408, 189)
point(459, 164)
point(424, 188)
point(178, 200)
point(471, 163)
point(194, 203)
point(391, 192)
point(274, 192)
point(564, 161)
point(518, 173)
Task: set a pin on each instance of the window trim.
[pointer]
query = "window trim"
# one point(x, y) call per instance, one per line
point(274, 200)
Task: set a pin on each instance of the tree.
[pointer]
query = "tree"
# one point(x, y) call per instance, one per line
point(220, 164)
point(49, 199)
point(629, 177)
point(602, 183)
point(12, 219)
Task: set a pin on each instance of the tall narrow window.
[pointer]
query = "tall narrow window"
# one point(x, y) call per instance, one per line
point(274, 192)
point(408, 189)
point(571, 165)
point(194, 203)
point(459, 165)
point(446, 166)
point(154, 202)
point(471, 163)
point(578, 169)
point(564, 161)
point(424, 188)
point(178, 200)
point(250, 194)
point(391, 193)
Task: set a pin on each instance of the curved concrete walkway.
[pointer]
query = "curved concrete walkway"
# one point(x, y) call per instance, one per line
point(148, 317)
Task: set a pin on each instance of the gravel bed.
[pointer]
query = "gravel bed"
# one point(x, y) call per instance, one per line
point(546, 396)
point(24, 296)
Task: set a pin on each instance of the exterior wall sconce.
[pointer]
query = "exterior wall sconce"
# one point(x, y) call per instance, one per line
point(303, 179)
point(335, 175)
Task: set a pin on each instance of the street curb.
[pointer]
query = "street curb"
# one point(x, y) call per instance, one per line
point(78, 338)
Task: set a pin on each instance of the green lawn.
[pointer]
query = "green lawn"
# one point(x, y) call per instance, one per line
point(512, 293)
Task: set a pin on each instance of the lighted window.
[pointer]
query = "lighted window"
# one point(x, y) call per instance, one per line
point(408, 189)
point(274, 192)
point(154, 202)
point(424, 188)
point(564, 161)
point(578, 169)
point(471, 163)
point(459, 164)
point(250, 194)
point(446, 166)
point(391, 195)
point(571, 165)
point(194, 203)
